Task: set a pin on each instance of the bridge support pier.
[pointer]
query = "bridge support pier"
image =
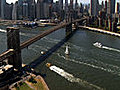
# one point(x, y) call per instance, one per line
point(76, 25)
point(13, 42)
point(69, 29)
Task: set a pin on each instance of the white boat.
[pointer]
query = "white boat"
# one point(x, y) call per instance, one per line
point(42, 52)
point(46, 22)
point(97, 44)
point(67, 51)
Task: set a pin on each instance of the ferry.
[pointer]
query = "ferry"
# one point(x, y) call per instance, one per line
point(97, 44)
point(30, 24)
point(46, 22)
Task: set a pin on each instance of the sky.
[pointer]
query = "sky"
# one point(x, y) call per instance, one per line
point(82, 1)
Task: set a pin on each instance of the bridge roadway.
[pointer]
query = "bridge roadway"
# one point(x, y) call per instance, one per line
point(25, 44)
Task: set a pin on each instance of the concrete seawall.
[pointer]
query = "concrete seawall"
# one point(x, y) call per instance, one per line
point(100, 30)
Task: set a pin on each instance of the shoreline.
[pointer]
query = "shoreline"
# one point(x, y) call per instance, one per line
point(38, 79)
point(30, 80)
point(100, 31)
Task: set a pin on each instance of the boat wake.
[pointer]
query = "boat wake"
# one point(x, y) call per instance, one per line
point(99, 45)
point(71, 78)
point(96, 64)
point(113, 49)
point(23, 34)
point(4, 31)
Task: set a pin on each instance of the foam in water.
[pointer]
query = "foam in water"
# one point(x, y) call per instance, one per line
point(97, 64)
point(71, 78)
point(23, 34)
point(1, 30)
point(48, 39)
point(109, 48)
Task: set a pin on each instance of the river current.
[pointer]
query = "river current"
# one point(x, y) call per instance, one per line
point(86, 67)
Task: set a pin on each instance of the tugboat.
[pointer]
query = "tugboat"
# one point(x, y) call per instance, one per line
point(97, 44)
point(48, 65)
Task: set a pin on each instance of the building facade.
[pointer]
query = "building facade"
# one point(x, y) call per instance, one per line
point(111, 7)
point(94, 7)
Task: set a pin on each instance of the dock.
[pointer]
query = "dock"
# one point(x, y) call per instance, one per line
point(100, 30)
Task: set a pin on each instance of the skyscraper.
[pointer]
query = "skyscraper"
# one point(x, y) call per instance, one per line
point(40, 9)
point(20, 2)
point(76, 4)
point(20, 9)
point(61, 4)
point(32, 10)
point(117, 8)
point(0, 8)
point(94, 5)
point(3, 3)
point(14, 12)
point(111, 7)
point(106, 6)
point(66, 5)
point(71, 4)
point(25, 10)
point(102, 5)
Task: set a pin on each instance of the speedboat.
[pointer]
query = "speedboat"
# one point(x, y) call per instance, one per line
point(97, 44)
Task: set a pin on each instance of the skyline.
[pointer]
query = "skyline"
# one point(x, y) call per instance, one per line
point(82, 1)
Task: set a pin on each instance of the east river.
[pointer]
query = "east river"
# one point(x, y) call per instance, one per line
point(86, 67)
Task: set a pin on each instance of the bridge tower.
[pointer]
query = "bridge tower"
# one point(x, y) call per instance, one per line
point(13, 42)
point(69, 17)
point(69, 26)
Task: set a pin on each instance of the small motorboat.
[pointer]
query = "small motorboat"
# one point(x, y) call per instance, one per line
point(42, 52)
point(97, 44)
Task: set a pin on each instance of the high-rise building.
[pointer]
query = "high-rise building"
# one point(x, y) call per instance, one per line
point(71, 4)
point(111, 7)
point(81, 8)
point(66, 5)
point(106, 6)
point(61, 10)
point(0, 8)
point(8, 11)
point(3, 3)
point(25, 10)
point(102, 5)
point(20, 9)
point(46, 10)
point(14, 12)
point(117, 8)
point(32, 10)
point(40, 9)
point(76, 4)
point(61, 4)
point(20, 2)
point(66, 8)
point(94, 7)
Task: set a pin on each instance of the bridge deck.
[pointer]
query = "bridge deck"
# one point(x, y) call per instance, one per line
point(25, 44)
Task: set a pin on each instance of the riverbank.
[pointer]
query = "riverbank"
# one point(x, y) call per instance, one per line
point(100, 30)
point(30, 82)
